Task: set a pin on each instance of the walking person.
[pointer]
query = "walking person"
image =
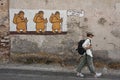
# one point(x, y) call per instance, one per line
point(87, 57)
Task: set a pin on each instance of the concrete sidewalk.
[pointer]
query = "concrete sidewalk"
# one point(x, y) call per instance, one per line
point(18, 74)
point(55, 68)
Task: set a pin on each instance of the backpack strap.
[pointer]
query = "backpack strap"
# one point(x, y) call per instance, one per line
point(90, 42)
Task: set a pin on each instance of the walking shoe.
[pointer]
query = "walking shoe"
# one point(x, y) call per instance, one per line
point(98, 75)
point(80, 74)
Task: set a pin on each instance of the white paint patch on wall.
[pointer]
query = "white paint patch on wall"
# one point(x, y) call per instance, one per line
point(76, 13)
point(30, 15)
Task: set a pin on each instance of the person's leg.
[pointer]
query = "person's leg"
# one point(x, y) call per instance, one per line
point(18, 29)
point(90, 64)
point(43, 30)
point(24, 30)
point(53, 30)
point(38, 30)
point(81, 64)
point(59, 30)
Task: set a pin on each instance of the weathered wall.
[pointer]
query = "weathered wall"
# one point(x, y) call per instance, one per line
point(4, 31)
point(101, 17)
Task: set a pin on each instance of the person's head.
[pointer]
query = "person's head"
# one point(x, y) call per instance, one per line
point(21, 14)
point(41, 13)
point(57, 13)
point(89, 34)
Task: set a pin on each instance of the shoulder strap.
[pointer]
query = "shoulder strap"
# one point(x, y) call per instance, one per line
point(90, 41)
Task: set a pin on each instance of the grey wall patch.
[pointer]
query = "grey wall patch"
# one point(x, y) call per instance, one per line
point(116, 33)
point(102, 21)
point(24, 46)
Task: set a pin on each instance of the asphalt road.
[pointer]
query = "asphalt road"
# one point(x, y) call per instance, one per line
point(15, 74)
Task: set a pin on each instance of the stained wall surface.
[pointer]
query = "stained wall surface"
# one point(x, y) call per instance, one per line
point(100, 17)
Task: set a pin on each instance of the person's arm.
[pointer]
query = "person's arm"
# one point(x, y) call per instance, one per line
point(19, 20)
point(35, 17)
point(39, 20)
point(86, 44)
point(46, 21)
point(54, 20)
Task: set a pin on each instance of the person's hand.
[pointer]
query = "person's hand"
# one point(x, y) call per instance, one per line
point(88, 47)
point(46, 20)
point(61, 19)
point(26, 20)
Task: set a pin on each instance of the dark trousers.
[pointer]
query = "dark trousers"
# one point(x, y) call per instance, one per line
point(86, 59)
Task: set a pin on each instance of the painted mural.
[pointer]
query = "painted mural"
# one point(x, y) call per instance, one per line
point(38, 21)
point(56, 22)
point(20, 21)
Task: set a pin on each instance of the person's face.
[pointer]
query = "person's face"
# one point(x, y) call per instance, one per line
point(58, 15)
point(22, 15)
point(91, 36)
point(41, 14)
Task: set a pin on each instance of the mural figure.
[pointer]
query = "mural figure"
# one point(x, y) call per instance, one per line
point(40, 22)
point(20, 21)
point(56, 22)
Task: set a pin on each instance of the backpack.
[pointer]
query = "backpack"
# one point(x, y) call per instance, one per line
point(35, 17)
point(51, 17)
point(80, 49)
point(15, 18)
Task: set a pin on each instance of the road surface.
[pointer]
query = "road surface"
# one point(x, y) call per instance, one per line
point(17, 74)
